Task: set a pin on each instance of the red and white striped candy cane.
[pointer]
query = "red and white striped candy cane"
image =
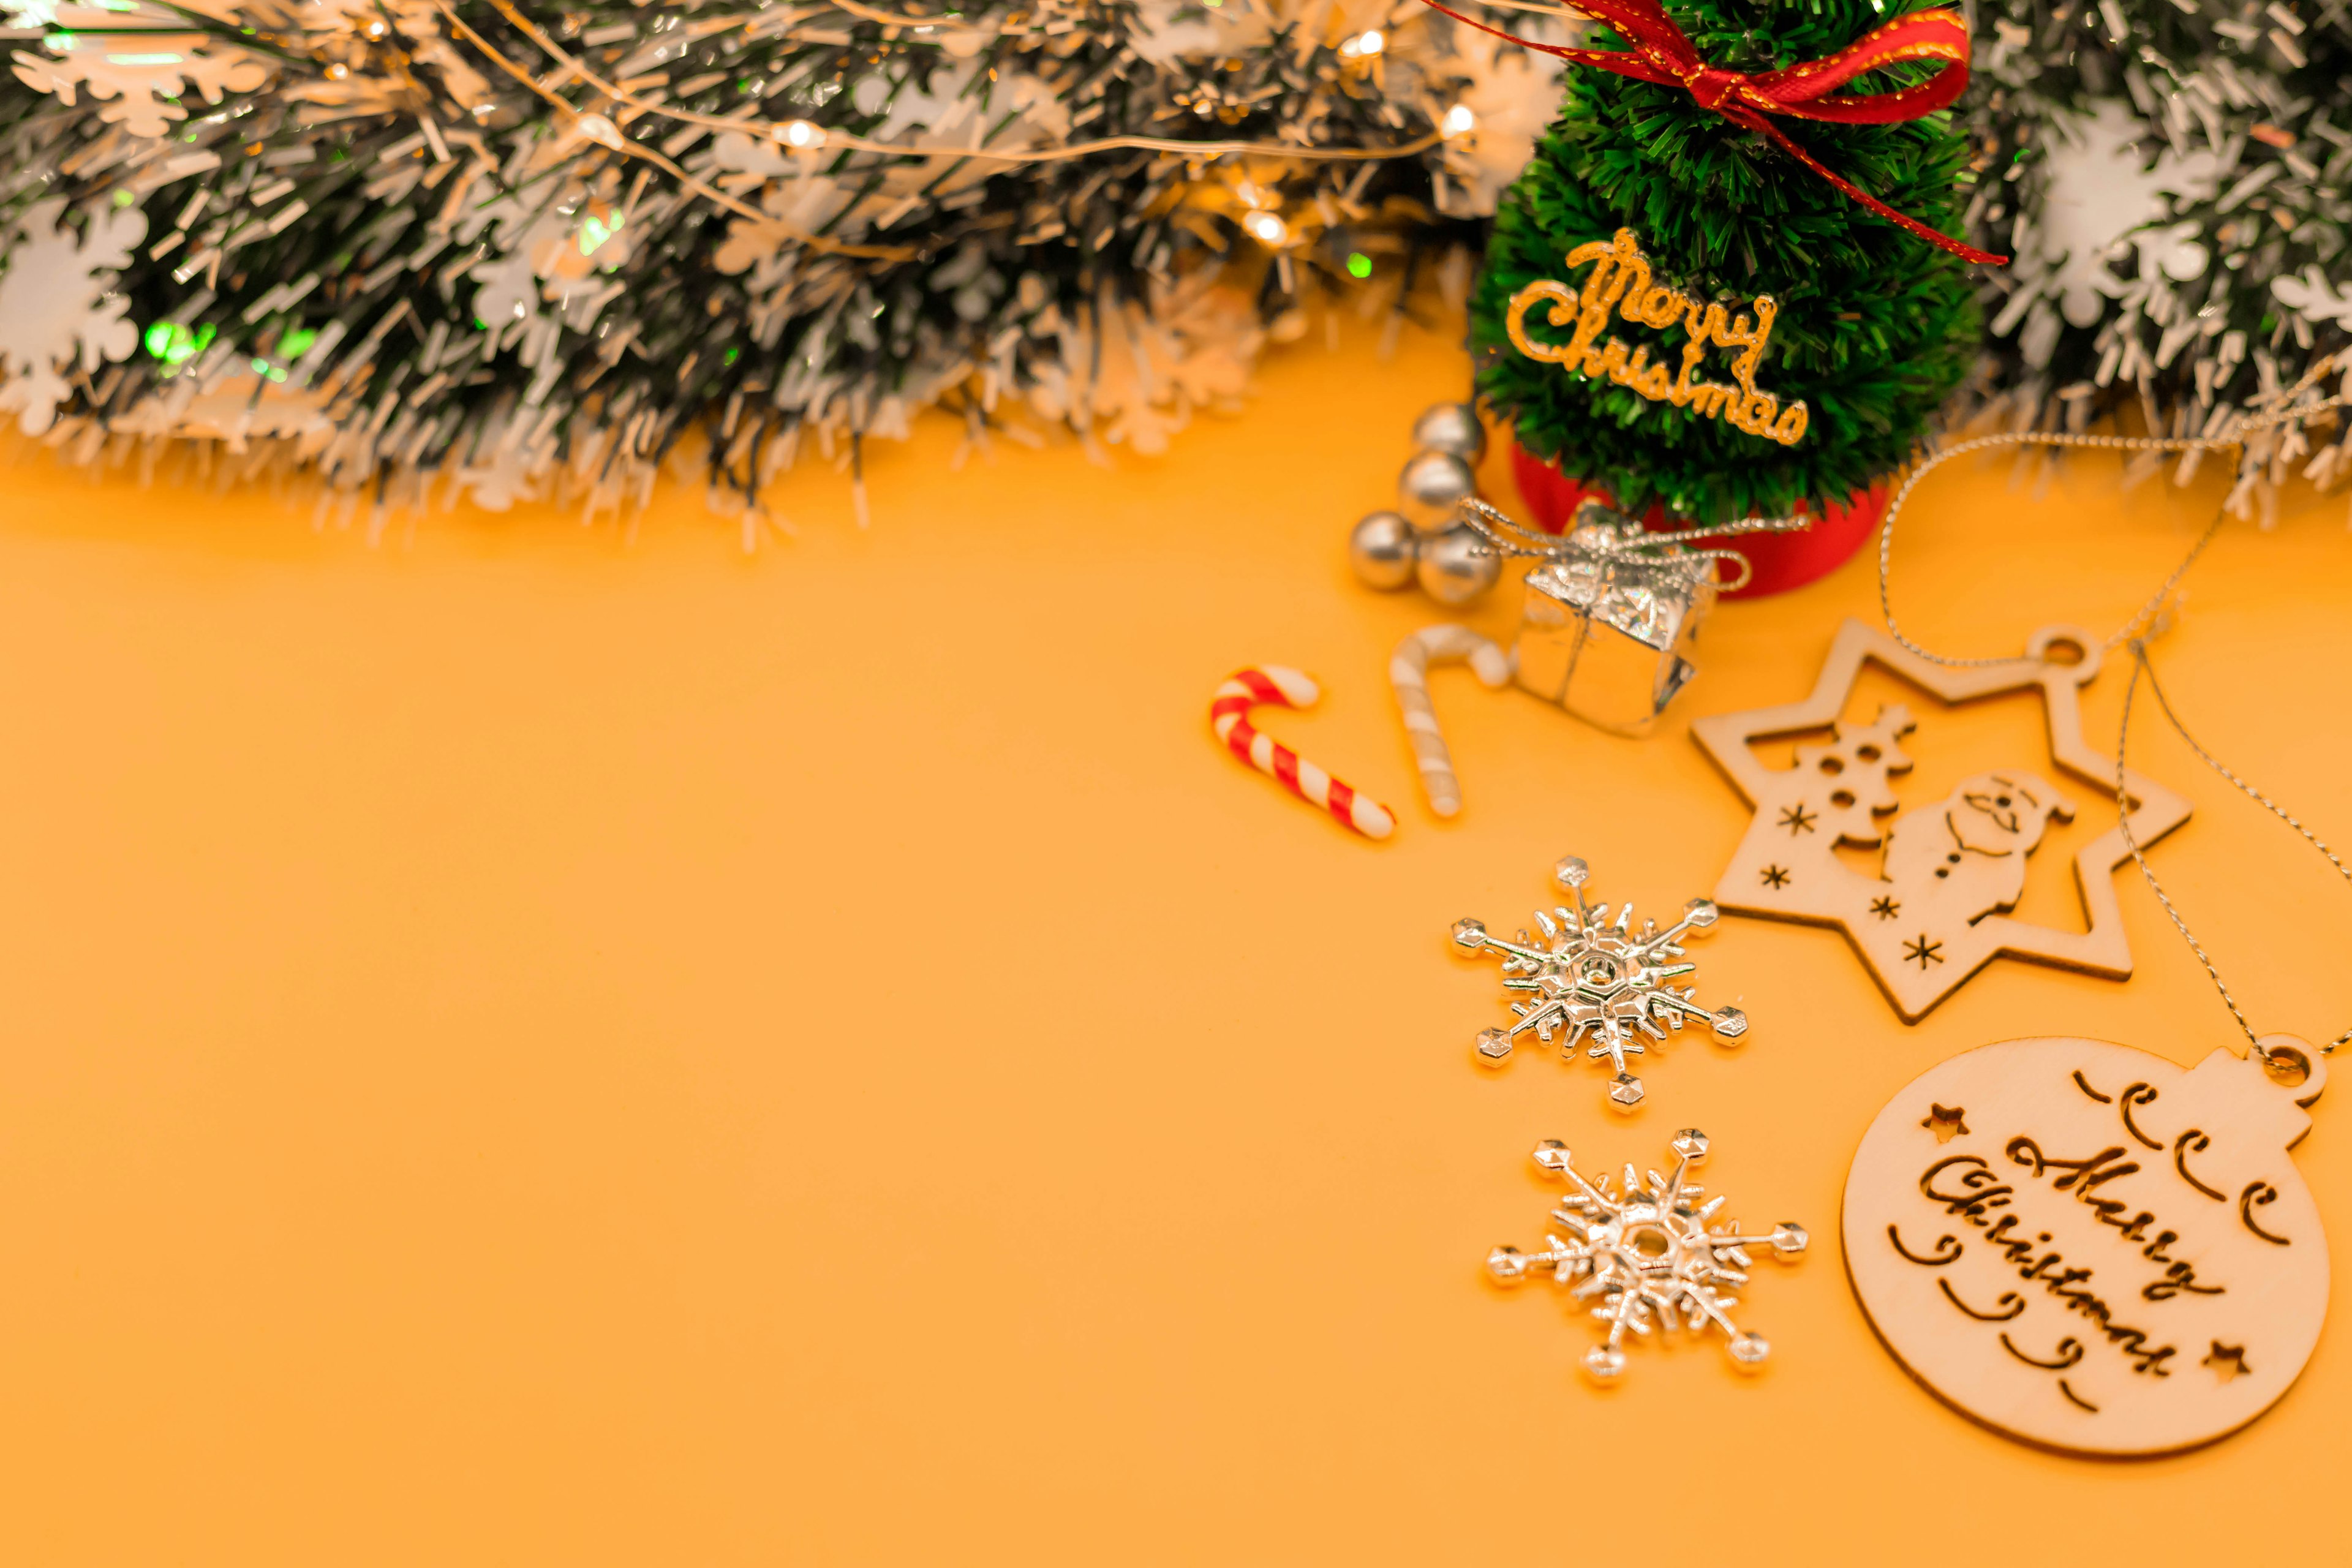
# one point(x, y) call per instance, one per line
point(1243, 690)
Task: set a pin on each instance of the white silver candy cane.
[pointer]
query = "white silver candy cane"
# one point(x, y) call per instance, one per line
point(1409, 674)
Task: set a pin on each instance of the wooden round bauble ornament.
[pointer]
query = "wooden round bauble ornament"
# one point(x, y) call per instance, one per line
point(2091, 1248)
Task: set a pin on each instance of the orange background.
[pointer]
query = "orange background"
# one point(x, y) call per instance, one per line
point(532, 1045)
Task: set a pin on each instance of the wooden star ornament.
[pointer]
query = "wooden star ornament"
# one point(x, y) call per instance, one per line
point(1950, 871)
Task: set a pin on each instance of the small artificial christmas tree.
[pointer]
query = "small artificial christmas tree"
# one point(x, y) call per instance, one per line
point(1875, 327)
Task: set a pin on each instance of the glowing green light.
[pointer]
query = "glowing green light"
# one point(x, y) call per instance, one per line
point(731, 355)
point(173, 343)
point(1358, 264)
point(296, 343)
point(594, 231)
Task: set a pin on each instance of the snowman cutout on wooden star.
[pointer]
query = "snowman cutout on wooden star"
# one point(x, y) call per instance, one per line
point(1950, 872)
point(1967, 853)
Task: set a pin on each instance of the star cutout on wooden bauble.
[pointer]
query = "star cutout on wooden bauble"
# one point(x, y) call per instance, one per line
point(1946, 1122)
point(1953, 868)
point(2227, 1362)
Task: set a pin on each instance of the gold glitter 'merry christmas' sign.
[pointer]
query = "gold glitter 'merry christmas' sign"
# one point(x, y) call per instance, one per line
point(1620, 282)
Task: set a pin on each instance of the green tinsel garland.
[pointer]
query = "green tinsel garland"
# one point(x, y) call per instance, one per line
point(2176, 183)
point(376, 250)
point(337, 235)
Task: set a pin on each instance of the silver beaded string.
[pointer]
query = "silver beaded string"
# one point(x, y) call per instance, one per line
point(2234, 434)
point(2140, 666)
point(2133, 631)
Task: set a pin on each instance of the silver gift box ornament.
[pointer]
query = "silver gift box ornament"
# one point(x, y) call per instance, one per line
point(1611, 613)
point(1609, 621)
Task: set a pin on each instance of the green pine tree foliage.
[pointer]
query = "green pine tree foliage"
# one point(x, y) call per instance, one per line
point(1876, 326)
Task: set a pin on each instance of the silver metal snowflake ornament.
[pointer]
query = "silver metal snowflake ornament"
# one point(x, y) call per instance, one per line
point(1645, 1258)
point(1598, 978)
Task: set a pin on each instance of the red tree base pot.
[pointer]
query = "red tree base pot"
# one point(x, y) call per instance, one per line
point(1779, 560)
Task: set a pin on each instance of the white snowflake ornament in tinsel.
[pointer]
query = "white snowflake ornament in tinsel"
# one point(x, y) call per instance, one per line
point(57, 305)
point(1648, 1257)
point(140, 60)
point(1598, 978)
point(2095, 215)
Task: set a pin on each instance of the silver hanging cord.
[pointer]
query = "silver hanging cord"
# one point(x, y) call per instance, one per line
point(2232, 434)
point(2140, 666)
point(1512, 538)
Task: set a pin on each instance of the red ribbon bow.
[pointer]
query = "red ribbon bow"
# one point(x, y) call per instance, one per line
point(1663, 54)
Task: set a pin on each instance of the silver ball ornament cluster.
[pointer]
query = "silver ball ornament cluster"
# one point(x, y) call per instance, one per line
point(1431, 484)
point(1418, 541)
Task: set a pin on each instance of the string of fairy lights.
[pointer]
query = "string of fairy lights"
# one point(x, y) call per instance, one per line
point(1262, 221)
point(807, 136)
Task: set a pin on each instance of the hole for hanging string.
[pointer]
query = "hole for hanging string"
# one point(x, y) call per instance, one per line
point(2287, 1066)
point(2291, 1064)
